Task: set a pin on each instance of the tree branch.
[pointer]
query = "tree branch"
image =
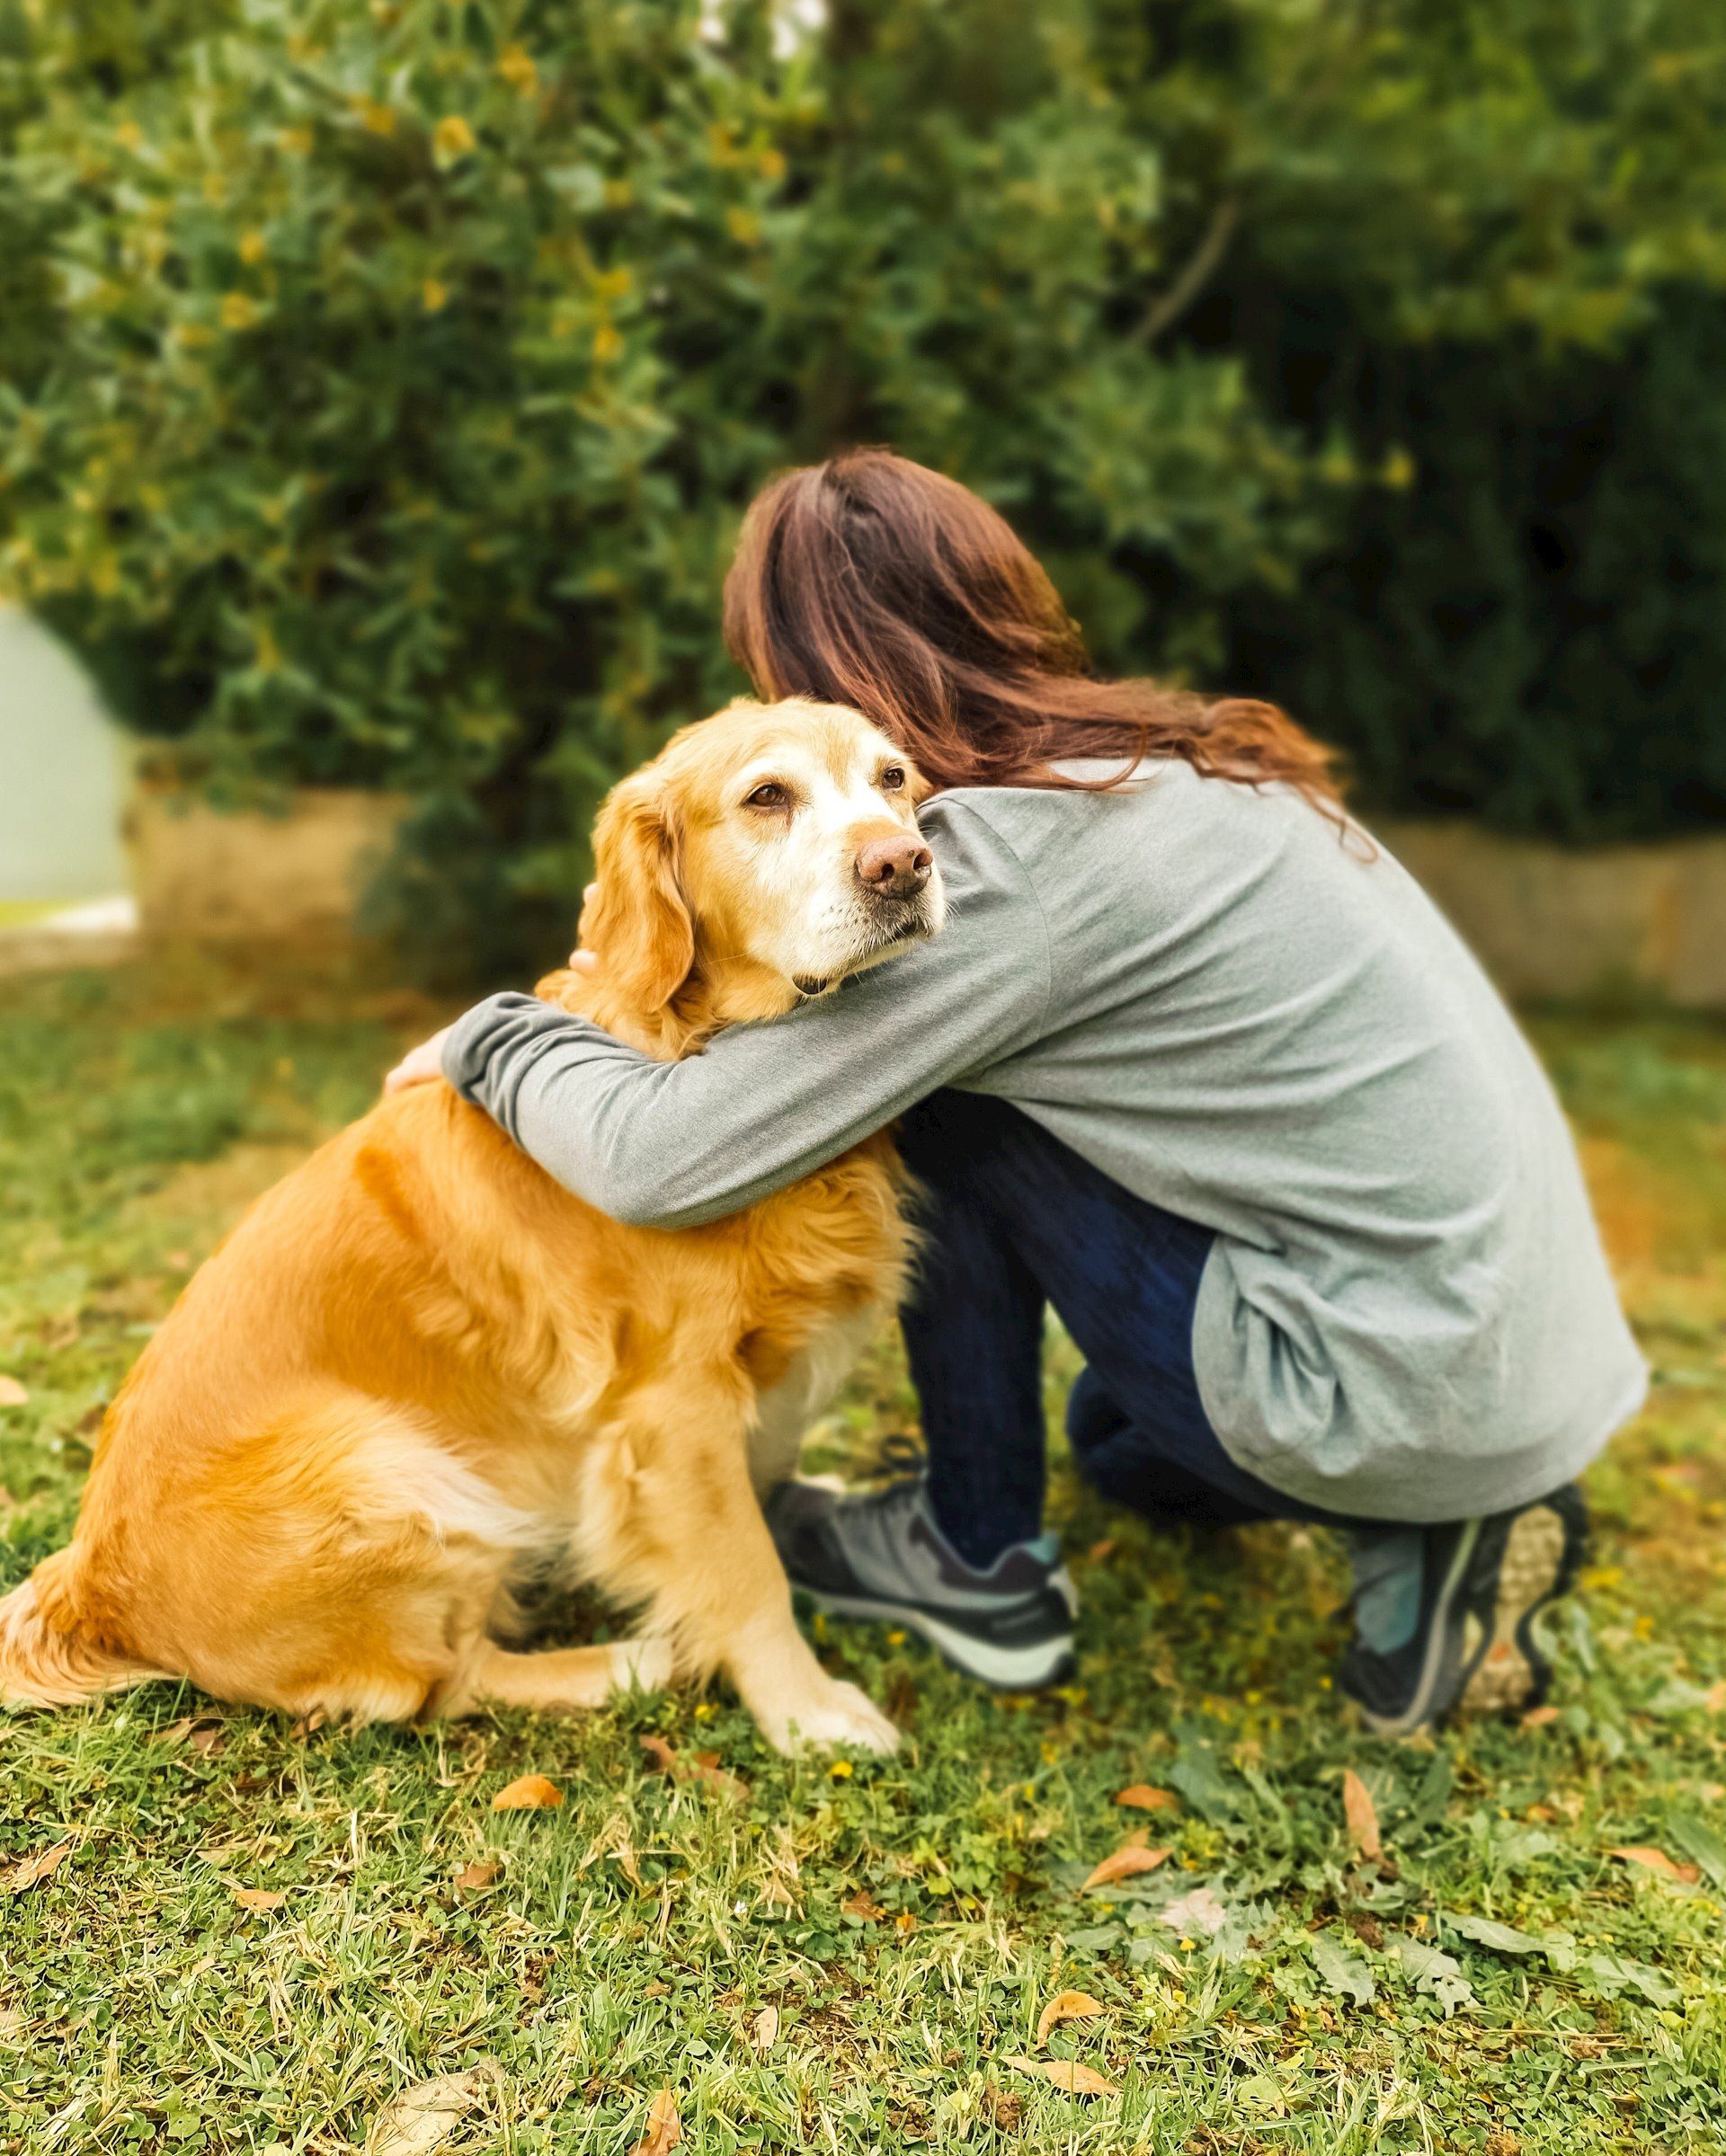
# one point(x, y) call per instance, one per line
point(1202, 265)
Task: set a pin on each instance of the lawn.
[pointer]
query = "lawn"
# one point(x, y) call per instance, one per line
point(225, 1933)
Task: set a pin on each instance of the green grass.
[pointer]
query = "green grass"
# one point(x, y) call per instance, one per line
point(906, 1920)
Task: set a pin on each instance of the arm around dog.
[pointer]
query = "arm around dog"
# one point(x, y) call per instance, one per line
point(674, 1145)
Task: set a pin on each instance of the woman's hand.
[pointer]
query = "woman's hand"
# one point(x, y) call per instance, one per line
point(419, 1064)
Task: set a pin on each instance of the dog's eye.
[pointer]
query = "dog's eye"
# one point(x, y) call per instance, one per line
point(893, 779)
point(771, 795)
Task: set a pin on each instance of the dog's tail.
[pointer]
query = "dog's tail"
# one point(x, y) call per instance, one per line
point(47, 1659)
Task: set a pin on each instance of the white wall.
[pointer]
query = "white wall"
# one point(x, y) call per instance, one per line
point(62, 774)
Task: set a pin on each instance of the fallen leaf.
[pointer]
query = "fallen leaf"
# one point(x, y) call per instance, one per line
point(529, 1793)
point(39, 1865)
point(1100, 1553)
point(664, 2127)
point(662, 1754)
point(480, 1872)
point(1714, 1698)
point(664, 1758)
point(13, 1394)
point(421, 2118)
point(1540, 1717)
point(258, 1897)
point(1142, 1797)
point(1198, 1911)
point(1065, 2075)
point(764, 2030)
point(1067, 2006)
point(1657, 1860)
point(863, 1906)
point(1123, 1865)
point(1361, 1813)
point(705, 1768)
point(203, 1732)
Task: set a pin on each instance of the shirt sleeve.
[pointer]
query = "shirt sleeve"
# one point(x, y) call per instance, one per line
point(674, 1145)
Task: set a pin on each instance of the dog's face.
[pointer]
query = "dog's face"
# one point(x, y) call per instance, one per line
point(778, 841)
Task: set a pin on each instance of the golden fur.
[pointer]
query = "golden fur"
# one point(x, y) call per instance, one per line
point(419, 1367)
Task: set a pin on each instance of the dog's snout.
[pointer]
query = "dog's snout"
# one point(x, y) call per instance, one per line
point(897, 867)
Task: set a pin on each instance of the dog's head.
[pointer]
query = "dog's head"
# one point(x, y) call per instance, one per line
point(763, 857)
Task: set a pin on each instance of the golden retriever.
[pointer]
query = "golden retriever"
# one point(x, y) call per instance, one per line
point(419, 1370)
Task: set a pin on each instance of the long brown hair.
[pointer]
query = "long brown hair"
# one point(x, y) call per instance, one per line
point(871, 581)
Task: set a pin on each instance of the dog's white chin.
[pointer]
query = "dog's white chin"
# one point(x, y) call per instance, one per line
point(822, 982)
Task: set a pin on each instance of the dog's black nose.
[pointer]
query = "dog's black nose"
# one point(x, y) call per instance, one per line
point(897, 867)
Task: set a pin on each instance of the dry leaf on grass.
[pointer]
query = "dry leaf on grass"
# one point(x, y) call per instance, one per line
point(529, 1793)
point(1714, 1698)
point(1142, 1797)
point(13, 1394)
point(1657, 1860)
point(703, 1767)
point(1196, 1912)
point(664, 2127)
point(764, 2029)
point(258, 1897)
point(421, 2118)
point(39, 1865)
point(1066, 2074)
point(662, 1754)
point(480, 1872)
point(1540, 1717)
point(1361, 1815)
point(1123, 1864)
point(1067, 2006)
point(203, 1732)
point(863, 1906)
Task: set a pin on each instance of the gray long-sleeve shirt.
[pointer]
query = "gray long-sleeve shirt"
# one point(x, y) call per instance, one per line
point(1197, 986)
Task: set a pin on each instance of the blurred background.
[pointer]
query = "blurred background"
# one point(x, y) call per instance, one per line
point(382, 384)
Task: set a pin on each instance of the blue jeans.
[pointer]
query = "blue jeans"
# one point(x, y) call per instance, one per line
point(1016, 1220)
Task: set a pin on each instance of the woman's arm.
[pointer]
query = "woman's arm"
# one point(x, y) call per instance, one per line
point(673, 1145)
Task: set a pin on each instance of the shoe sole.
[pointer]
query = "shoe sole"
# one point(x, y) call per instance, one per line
point(1510, 1673)
point(1026, 1669)
point(1471, 1667)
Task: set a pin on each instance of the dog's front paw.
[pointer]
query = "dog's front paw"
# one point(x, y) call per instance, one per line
point(839, 1714)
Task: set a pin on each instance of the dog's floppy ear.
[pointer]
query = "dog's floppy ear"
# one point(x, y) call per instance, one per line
point(636, 924)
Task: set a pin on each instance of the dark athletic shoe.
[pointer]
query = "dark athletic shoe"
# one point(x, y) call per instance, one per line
point(880, 1556)
point(1446, 1616)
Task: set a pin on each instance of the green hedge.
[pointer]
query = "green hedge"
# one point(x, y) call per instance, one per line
point(382, 383)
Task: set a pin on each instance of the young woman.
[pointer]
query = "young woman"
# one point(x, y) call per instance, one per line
point(1193, 1062)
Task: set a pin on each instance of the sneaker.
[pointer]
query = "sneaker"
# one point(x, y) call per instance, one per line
point(1446, 1616)
point(880, 1556)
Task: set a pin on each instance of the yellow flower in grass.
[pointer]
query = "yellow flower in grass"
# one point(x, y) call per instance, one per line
point(452, 139)
point(238, 311)
point(435, 296)
point(516, 65)
point(377, 119)
point(254, 247)
point(608, 342)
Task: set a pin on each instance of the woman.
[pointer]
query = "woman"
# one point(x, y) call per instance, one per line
point(1194, 1062)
